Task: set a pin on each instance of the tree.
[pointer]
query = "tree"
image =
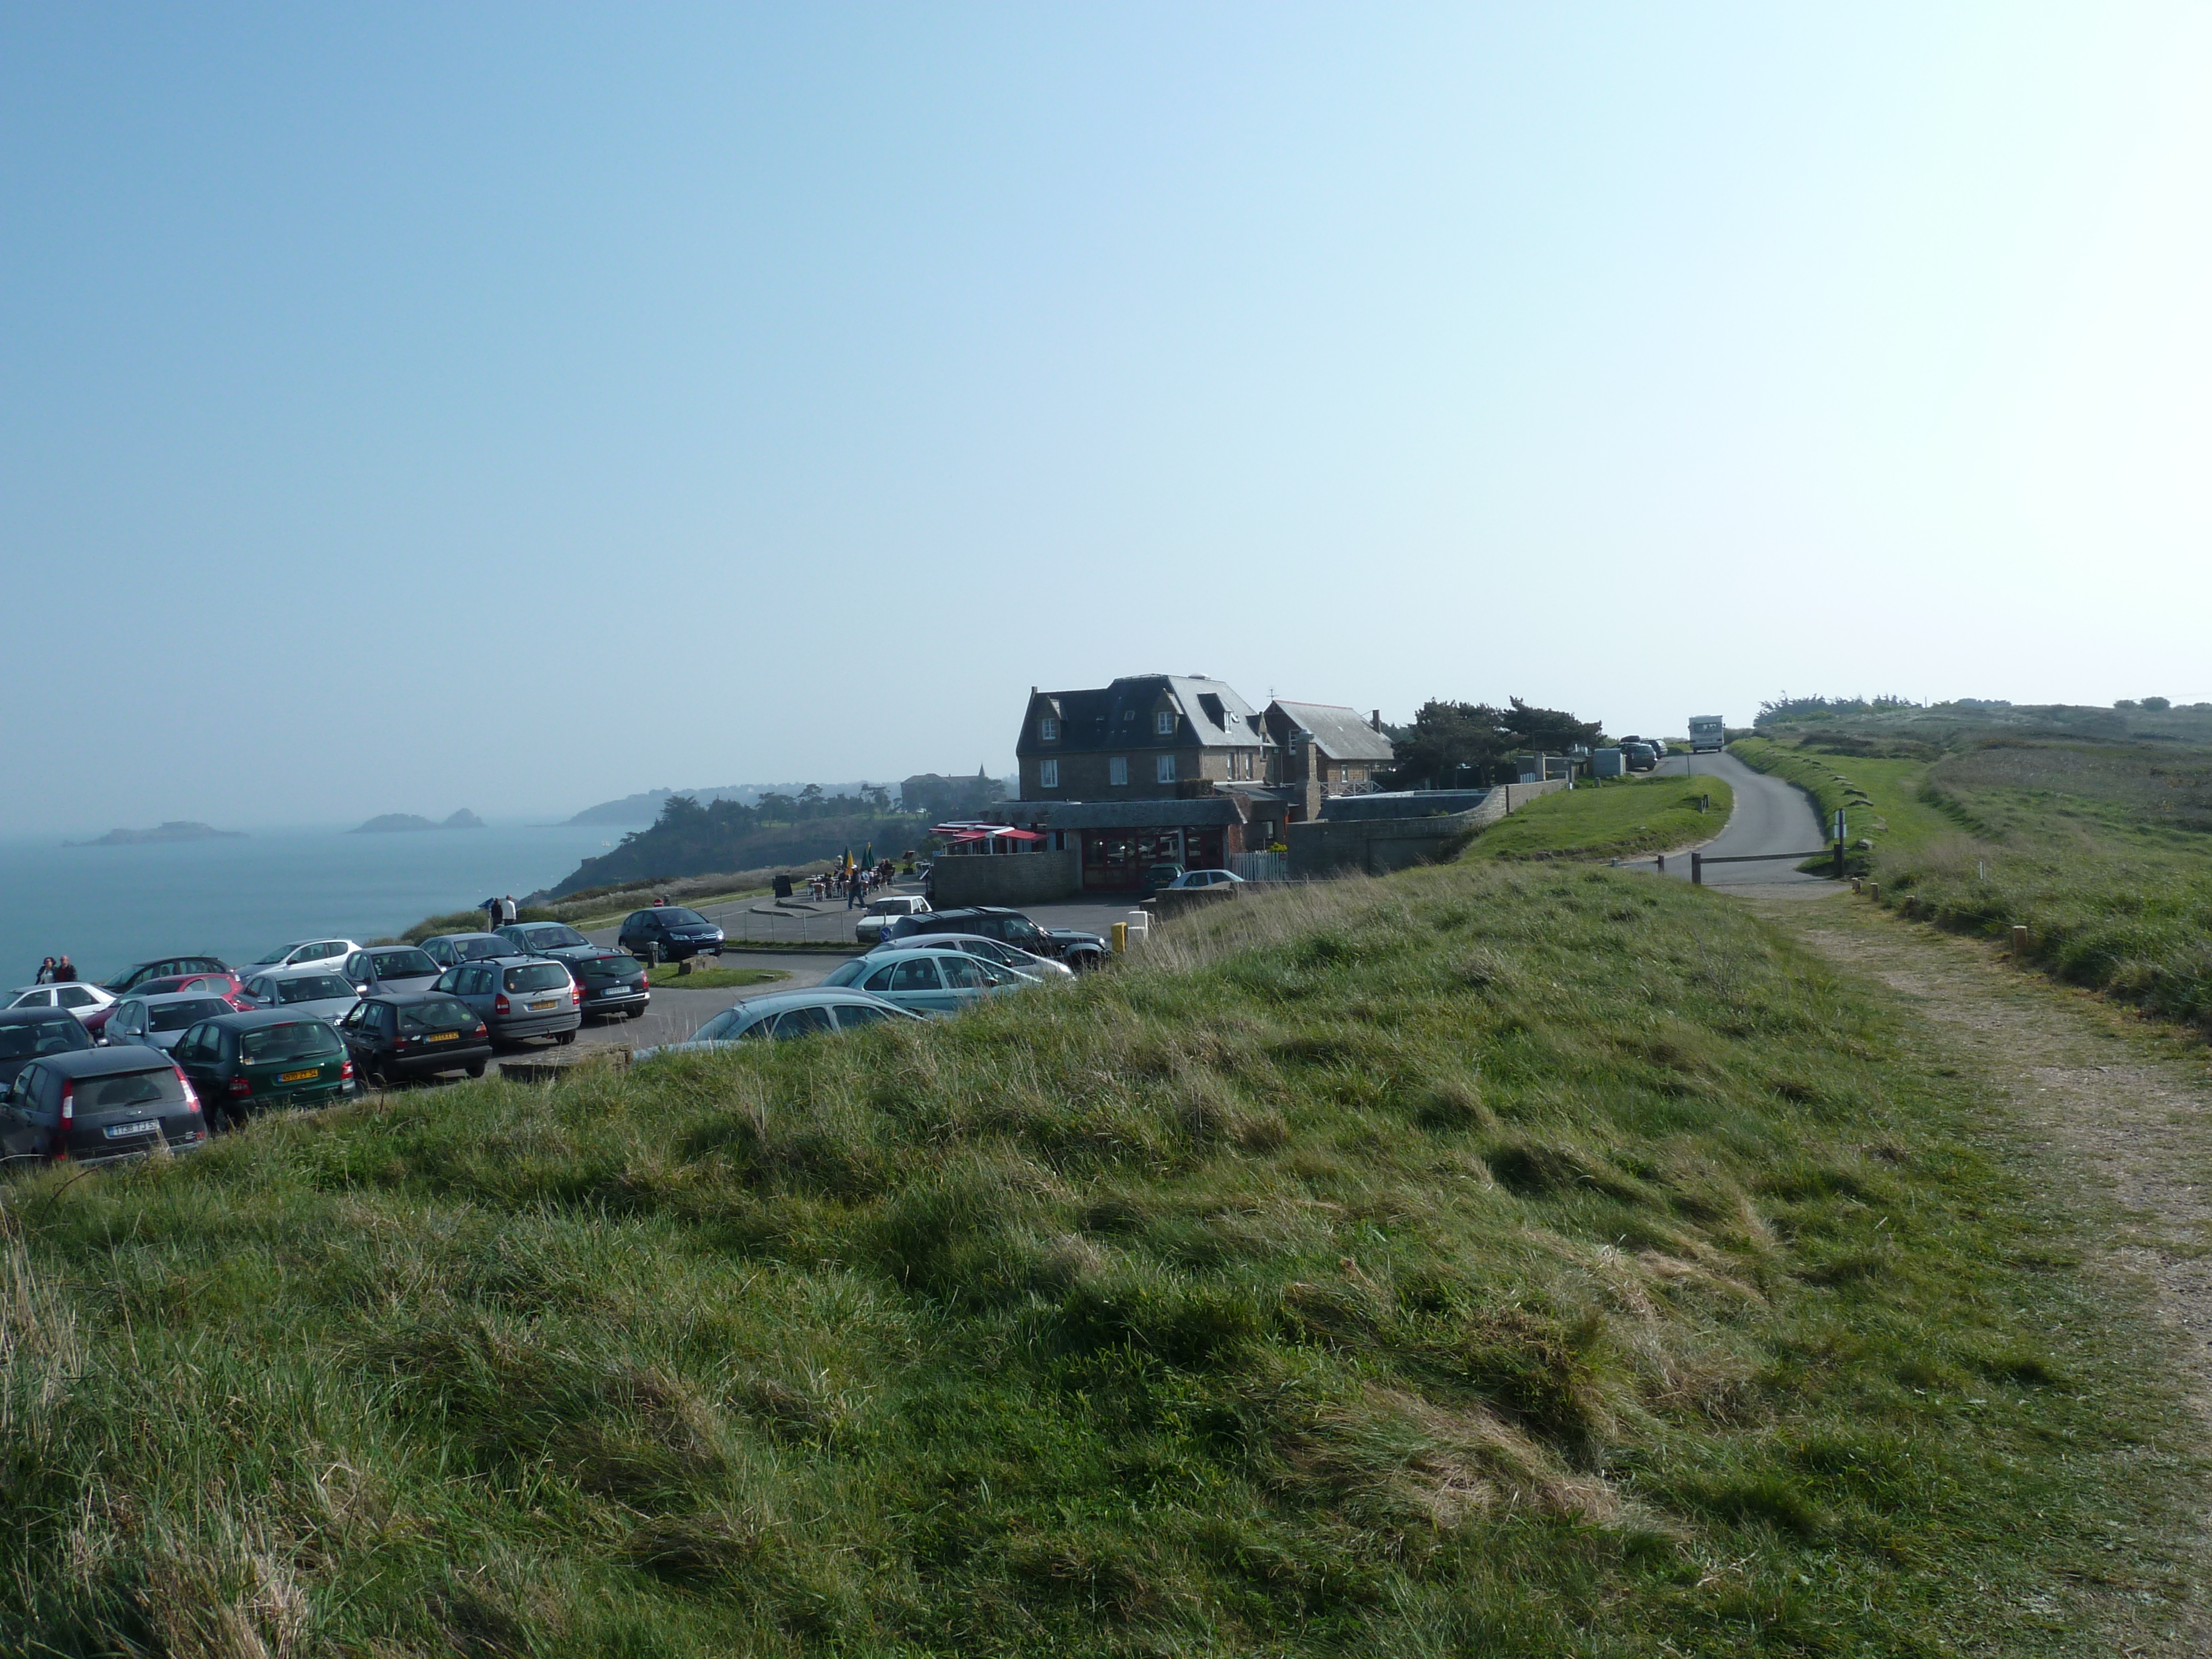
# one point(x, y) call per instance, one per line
point(1452, 745)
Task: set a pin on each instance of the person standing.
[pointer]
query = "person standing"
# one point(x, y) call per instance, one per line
point(507, 911)
point(46, 973)
point(490, 908)
point(64, 970)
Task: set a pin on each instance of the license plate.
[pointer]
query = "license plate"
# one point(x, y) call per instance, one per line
point(299, 1077)
point(443, 1037)
point(118, 1131)
point(548, 1003)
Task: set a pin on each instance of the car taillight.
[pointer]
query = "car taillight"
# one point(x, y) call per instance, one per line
point(239, 1085)
point(500, 1003)
point(482, 1029)
point(191, 1095)
point(69, 1120)
point(345, 1072)
point(575, 995)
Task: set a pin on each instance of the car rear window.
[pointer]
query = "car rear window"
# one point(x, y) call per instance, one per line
point(107, 1094)
point(304, 1039)
point(470, 950)
point(551, 935)
point(436, 1014)
point(25, 1039)
point(312, 988)
point(537, 976)
point(175, 1016)
point(399, 965)
point(610, 968)
point(677, 915)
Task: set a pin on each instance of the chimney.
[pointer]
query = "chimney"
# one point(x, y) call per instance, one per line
point(1375, 719)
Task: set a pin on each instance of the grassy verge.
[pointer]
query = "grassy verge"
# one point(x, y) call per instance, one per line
point(1490, 1260)
point(715, 979)
point(1615, 818)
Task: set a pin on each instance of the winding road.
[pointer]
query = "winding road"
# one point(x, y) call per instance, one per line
point(1769, 817)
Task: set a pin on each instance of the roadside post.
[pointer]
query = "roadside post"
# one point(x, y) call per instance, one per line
point(1121, 938)
point(1839, 843)
point(1697, 869)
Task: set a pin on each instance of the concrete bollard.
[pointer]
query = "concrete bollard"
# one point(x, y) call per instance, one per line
point(1121, 938)
point(1873, 891)
point(1858, 885)
point(2019, 943)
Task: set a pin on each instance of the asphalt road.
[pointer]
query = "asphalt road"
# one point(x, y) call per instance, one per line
point(1769, 817)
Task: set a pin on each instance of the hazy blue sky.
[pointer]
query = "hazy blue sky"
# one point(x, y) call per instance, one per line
point(408, 407)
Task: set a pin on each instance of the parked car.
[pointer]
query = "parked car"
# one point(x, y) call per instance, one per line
point(226, 985)
point(556, 939)
point(401, 970)
point(869, 929)
point(163, 968)
point(669, 933)
point(393, 1038)
point(28, 1033)
point(990, 949)
point(518, 997)
point(782, 1014)
point(1157, 876)
point(266, 1059)
point(89, 1003)
point(451, 950)
point(1191, 879)
point(613, 983)
point(158, 1022)
point(1637, 756)
point(934, 982)
point(324, 953)
point(99, 1105)
point(1077, 949)
point(316, 993)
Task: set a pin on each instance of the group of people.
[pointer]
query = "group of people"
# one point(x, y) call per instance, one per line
point(55, 970)
point(856, 884)
point(501, 912)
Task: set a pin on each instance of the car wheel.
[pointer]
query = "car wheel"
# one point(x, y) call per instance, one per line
point(478, 1069)
point(564, 1038)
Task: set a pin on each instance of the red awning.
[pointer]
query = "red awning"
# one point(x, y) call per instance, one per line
point(975, 831)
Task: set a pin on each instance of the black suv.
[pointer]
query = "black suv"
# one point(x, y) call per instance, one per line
point(93, 1107)
point(669, 933)
point(1078, 950)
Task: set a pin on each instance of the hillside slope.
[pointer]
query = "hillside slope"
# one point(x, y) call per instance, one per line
point(1482, 1260)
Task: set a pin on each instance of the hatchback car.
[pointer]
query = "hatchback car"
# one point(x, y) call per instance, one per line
point(401, 970)
point(226, 985)
point(163, 968)
point(158, 1022)
point(28, 1033)
point(266, 1060)
point(319, 992)
point(782, 1014)
point(518, 997)
point(1191, 879)
point(1157, 876)
point(451, 949)
point(975, 944)
point(669, 933)
point(1077, 950)
point(613, 983)
point(89, 1003)
point(391, 1039)
point(323, 953)
point(936, 982)
point(556, 939)
point(99, 1105)
point(869, 929)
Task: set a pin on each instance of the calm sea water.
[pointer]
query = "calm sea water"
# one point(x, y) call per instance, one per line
point(108, 907)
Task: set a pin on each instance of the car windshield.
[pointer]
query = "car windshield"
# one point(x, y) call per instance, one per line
point(551, 935)
point(849, 972)
point(303, 1039)
point(25, 1039)
point(175, 1016)
point(313, 988)
point(107, 1094)
point(675, 915)
point(436, 1014)
point(537, 976)
point(403, 964)
point(472, 950)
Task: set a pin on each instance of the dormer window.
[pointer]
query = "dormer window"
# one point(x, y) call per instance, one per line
point(1163, 723)
point(1049, 729)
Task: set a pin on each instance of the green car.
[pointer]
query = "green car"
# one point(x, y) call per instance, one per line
point(240, 1063)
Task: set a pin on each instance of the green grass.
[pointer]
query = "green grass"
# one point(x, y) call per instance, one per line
point(1615, 818)
point(1492, 1260)
point(1883, 797)
point(715, 979)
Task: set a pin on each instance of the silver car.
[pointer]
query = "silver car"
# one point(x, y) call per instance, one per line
point(321, 993)
point(157, 1021)
point(451, 949)
point(1050, 971)
point(390, 970)
point(782, 1014)
point(869, 929)
point(323, 953)
point(935, 981)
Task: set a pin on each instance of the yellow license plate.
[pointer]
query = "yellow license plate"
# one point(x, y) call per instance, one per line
point(300, 1077)
point(548, 1003)
point(443, 1037)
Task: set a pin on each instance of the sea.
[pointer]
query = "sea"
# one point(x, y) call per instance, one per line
point(108, 907)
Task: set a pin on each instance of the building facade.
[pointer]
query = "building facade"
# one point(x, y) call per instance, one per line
point(1328, 744)
point(1145, 737)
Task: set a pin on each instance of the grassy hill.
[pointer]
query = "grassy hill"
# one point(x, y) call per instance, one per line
point(1610, 818)
point(1494, 1259)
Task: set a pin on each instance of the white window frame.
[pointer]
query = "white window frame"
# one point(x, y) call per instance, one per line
point(1163, 768)
point(1049, 729)
point(1163, 723)
point(1117, 771)
point(1049, 775)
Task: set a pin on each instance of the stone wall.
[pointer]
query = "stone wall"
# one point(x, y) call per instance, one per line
point(1377, 845)
point(1012, 879)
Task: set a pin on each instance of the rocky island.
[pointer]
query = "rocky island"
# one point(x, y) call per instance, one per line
point(176, 830)
point(390, 821)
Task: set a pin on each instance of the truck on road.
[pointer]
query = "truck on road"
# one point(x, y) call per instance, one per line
point(1708, 734)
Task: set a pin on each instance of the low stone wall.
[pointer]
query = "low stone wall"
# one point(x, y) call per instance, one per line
point(1378, 846)
point(1012, 879)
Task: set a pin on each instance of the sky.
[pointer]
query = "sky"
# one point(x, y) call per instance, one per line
point(412, 407)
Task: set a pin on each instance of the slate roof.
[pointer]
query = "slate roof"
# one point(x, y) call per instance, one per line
point(1342, 734)
point(1209, 714)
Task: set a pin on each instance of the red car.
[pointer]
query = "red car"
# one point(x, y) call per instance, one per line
point(225, 985)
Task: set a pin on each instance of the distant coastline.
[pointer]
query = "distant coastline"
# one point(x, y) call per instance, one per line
point(396, 822)
point(176, 830)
